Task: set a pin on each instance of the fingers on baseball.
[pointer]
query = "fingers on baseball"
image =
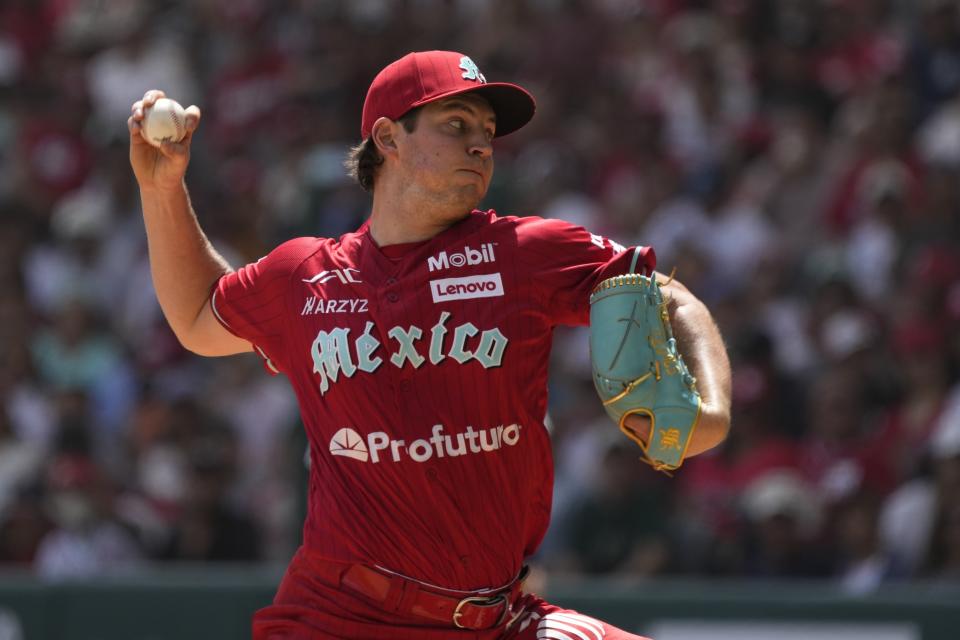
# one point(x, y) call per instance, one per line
point(135, 126)
point(135, 121)
point(152, 96)
point(190, 124)
point(192, 120)
point(136, 115)
point(148, 100)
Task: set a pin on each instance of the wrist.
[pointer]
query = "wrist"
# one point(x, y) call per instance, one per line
point(162, 190)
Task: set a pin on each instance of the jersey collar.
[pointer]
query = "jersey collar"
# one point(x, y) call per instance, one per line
point(386, 262)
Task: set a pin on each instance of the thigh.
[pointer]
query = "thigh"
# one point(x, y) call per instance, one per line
point(541, 620)
point(285, 622)
point(291, 622)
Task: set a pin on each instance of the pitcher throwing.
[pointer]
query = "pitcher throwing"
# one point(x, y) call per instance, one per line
point(418, 348)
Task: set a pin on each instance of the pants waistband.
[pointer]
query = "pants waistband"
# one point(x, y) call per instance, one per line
point(478, 611)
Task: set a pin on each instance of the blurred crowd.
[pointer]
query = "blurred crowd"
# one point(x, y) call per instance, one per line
point(797, 162)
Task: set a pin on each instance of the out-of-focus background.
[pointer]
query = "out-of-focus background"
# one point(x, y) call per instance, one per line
point(797, 161)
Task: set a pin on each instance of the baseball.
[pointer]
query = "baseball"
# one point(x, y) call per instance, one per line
point(164, 121)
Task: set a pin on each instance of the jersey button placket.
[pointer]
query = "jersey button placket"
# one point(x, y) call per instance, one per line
point(390, 294)
point(391, 283)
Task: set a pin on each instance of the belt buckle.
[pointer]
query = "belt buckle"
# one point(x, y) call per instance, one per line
point(485, 600)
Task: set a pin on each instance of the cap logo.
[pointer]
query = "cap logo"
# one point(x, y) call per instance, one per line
point(471, 71)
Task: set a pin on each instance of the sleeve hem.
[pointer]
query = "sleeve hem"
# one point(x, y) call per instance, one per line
point(216, 314)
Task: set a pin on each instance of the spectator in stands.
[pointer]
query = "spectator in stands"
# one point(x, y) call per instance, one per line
point(918, 523)
point(783, 521)
point(799, 166)
point(211, 526)
point(862, 563)
point(619, 526)
point(86, 540)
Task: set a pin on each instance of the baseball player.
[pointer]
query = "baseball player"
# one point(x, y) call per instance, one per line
point(418, 348)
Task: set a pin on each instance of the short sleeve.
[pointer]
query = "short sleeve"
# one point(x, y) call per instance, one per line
point(568, 262)
point(251, 301)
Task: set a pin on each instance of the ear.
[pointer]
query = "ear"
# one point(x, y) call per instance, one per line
point(384, 135)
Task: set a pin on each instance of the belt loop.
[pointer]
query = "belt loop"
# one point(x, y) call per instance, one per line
point(331, 572)
point(408, 595)
point(395, 596)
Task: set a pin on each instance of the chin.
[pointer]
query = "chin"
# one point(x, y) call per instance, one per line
point(455, 202)
point(473, 197)
point(459, 214)
point(468, 198)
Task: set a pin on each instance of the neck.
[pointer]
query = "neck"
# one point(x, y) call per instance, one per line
point(400, 218)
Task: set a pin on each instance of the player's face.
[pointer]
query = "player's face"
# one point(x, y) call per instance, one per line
point(448, 158)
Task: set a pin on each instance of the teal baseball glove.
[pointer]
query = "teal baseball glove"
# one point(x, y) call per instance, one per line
point(637, 368)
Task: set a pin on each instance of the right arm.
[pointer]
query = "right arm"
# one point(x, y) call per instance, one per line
point(183, 263)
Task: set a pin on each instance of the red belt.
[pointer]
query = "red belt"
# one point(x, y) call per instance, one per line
point(483, 610)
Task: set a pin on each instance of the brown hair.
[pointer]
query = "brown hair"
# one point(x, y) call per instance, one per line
point(364, 159)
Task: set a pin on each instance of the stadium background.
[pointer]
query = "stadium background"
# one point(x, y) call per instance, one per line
point(797, 161)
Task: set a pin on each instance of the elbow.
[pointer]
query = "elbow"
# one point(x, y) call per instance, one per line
point(211, 346)
point(200, 350)
point(193, 343)
point(195, 332)
point(190, 344)
point(711, 430)
point(206, 337)
point(719, 428)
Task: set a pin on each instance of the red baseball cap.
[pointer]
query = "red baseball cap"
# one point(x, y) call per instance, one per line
point(424, 76)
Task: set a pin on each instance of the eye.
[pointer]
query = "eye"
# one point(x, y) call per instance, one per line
point(457, 123)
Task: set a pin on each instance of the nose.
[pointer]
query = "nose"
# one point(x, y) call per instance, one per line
point(482, 148)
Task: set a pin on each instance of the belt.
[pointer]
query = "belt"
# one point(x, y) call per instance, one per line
point(482, 610)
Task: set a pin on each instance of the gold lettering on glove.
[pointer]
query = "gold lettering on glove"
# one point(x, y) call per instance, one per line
point(659, 345)
point(670, 439)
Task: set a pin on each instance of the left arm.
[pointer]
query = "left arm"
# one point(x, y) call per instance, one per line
point(701, 345)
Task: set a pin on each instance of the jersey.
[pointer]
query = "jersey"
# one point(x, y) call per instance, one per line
point(421, 375)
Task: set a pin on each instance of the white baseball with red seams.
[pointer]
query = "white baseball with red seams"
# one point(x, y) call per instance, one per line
point(164, 121)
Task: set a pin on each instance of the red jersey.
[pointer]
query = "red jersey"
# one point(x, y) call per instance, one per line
point(421, 374)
